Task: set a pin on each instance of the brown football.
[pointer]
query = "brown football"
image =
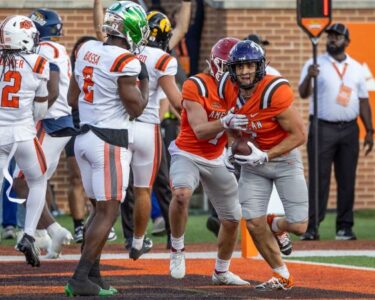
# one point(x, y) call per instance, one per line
point(241, 147)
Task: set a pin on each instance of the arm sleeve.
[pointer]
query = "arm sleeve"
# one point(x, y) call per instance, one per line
point(304, 70)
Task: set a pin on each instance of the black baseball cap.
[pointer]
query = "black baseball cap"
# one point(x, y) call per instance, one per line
point(339, 28)
point(257, 39)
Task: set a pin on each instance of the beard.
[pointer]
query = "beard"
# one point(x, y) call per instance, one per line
point(335, 50)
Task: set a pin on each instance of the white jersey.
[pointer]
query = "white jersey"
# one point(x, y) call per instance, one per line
point(97, 69)
point(18, 88)
point(56, 54)
point(158, 63)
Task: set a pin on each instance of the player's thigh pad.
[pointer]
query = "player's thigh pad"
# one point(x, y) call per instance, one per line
point(52, 147)
point(222, 190)
point(146, 153)
point(108, 175)
point(183, 173)
point(254, 189)
point(30, 159)
point(292, 188)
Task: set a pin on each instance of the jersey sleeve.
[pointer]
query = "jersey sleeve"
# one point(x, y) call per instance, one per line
point(191, 91)
point(281, 99)
point(166, 65)
point(49, 51)
point(42, 90)
point(126, 64)
point(41, 68)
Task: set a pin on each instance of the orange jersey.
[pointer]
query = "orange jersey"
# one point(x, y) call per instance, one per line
point(202, 88)
point(271, 96)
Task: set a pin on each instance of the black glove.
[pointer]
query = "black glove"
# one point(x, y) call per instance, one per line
point(144, 72)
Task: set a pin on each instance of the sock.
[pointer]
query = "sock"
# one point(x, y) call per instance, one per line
point(53, 228)
point(221, 265)
point(138, 242)
point(41, 233)
point(178, 243)
point(34, 204)
point(283, 271)
point(78, 223)
point(274, 226)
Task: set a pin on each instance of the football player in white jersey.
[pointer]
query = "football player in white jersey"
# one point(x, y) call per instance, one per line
point(105, 86)
point(56, 127)
point(23, 85)
point(145, 141)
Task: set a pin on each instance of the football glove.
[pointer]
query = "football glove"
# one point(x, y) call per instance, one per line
point(234, 121)
point(257, 157)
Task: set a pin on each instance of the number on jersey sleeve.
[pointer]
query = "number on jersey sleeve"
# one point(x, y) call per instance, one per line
point(88, 84)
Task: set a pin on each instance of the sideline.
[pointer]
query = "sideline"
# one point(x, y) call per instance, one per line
point(212, 255)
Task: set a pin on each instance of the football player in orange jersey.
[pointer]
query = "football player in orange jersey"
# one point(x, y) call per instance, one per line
point(278, 130)
point(197, 155)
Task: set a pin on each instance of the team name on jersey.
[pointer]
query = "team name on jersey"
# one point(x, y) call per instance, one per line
point(91, 57)
point(217, 114)
point(19, 63)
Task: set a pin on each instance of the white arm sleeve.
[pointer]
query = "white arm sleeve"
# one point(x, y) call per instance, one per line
point(39, 110)
point(42, 90)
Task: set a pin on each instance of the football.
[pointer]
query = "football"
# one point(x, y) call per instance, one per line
point(241, 147)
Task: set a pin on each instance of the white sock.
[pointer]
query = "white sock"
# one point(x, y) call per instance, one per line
point(178, 243)
point(274, 226)
point(283, 271)
point(138, 242)
point(221, 265)
point(41, 233)
point(53, 228)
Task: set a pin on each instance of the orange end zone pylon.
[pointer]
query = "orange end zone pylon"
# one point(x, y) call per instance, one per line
point(248, 248)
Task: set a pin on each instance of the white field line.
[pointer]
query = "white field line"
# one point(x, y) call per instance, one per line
point(212, 255)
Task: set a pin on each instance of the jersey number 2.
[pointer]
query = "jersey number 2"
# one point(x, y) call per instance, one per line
point(88, 84)
point(13, 101)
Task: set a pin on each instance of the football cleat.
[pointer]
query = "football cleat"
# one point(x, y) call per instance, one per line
point(282, 238)
point(27, 247)
point(228, 278)
point(177, 264)
point(277, 282)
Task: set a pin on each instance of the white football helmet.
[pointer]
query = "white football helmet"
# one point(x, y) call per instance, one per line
point(18, 33)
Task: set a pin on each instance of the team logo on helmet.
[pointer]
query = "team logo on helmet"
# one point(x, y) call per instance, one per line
point(26, 24)
point(38, 18)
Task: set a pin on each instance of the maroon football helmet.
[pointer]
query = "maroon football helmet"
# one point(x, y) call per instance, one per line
point(219, 56)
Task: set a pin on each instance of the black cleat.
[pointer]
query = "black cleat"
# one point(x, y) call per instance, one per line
point(27, 247)
point(146, 247)
point(310, 236)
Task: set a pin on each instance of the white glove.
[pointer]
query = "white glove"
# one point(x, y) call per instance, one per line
point(257, 157)
point(227, 160)
point(234, 121)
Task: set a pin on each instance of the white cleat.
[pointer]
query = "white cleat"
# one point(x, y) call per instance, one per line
point(177, 265)
point(228, 278)
point(42, 240)
point(60, 238)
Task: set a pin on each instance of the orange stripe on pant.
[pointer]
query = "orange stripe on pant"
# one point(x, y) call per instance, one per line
point(157, 154)
point(118, 172)
point(107, 172)
point(40, 155)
